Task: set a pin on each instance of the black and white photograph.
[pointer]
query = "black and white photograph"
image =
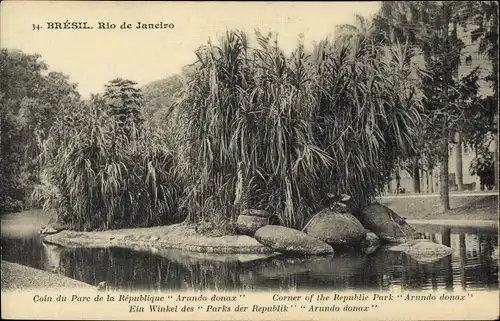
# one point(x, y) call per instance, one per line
point(250, 147)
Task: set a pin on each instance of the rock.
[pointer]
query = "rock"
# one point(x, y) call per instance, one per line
point(371, 239)
point(386, 224)
point(287, 240)
point(336, 229)
point(254, 212)
point(371, 243)
point(423, 250)
point(248, 225)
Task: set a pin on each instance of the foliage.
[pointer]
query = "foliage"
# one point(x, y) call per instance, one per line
point(483, 166)
point(160, 99)
point(483, 15)
point(160, 96)
point(264, 130)
point(103, 172)
point(479, 127)
point(422, 25)
point(123, 104)
point(30, 99)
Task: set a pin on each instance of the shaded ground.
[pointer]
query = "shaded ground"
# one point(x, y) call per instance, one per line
point(20, 277)
point(462, 208)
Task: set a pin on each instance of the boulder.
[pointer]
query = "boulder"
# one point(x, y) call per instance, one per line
point(371, 239)
point(386, 224)
point(371, 243)
point(248, 225)
point(287, 240)
point(254, 212)
point(423, 250)
point(336, 229)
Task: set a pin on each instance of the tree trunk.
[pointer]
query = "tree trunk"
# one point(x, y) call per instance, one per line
point(422, 179)
point(458, 156)
point(443, 175)
point(416, 176)
point(431, 178)
point(443, 155)
point(427, 186)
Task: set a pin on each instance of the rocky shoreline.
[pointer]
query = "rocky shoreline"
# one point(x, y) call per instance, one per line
point(184, 236)
point(176, 236)
point(242, 244)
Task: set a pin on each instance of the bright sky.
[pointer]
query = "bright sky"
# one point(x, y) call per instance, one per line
point(93, 57)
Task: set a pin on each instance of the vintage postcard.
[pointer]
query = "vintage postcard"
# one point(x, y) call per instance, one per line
point(249, 160)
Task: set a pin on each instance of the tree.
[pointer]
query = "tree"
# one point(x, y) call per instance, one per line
point(425, 25)
point(124, 105)
point(483, 16)
point(30, 100)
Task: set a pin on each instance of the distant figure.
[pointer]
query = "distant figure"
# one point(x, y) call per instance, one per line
point(398, 183)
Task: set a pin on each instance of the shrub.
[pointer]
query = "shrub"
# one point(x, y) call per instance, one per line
point(101, 172)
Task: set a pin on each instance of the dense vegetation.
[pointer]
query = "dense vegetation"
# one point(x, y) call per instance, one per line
point(30, 98)
point(104, 168)
point(265, 130)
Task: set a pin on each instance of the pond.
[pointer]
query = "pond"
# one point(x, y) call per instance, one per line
point(473, 264)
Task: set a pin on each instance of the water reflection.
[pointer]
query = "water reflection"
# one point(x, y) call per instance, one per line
point(473, 264)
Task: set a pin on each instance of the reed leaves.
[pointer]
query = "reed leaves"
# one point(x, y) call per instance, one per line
point(254, 128)
point(103, 171)
point(264, 130)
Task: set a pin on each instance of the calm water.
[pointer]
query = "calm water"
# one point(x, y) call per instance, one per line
point(472, 265)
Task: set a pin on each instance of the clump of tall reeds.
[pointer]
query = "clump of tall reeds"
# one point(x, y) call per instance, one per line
point(261, 129)
point(103, 169)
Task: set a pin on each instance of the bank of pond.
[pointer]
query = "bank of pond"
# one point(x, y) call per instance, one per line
point(334, 249)
point(330, 229)
point(472, 264)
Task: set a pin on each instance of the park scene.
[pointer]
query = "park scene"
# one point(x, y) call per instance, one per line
point(363, 160)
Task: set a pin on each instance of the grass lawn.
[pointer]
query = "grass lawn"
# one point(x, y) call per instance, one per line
point(462, 208)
